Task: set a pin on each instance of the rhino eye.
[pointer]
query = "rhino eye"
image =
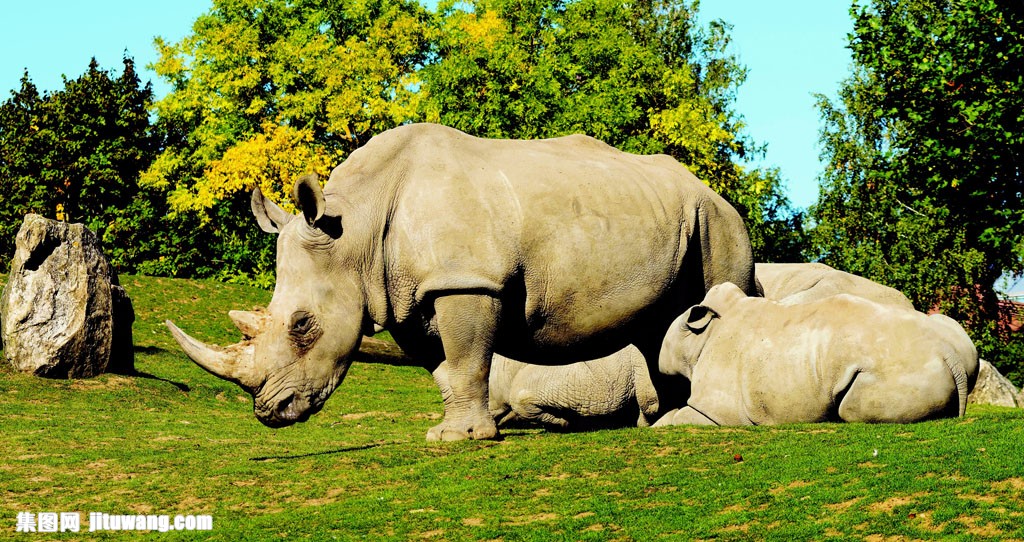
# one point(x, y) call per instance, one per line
point(304, 329)
point(302, 322)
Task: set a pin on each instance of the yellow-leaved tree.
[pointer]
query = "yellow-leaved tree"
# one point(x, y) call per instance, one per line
point(264, 91)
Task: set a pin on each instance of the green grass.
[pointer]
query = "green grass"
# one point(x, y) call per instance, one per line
point(180, 441)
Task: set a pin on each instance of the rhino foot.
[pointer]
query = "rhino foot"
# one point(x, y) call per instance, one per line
point(477, 428)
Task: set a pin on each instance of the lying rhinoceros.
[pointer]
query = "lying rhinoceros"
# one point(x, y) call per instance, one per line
point(613, 391)
point(754, 361)
point(794, 283)
point(563, 249)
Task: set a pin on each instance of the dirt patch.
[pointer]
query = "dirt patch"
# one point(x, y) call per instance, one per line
point(925, 522)
point(1015, 483)
point(141, 508)
point(535, 518)
point(108, 382)
point(329, 497)
point(843, 506)
point(987, 530)
point(473, 522)
point(739, 528)
point(168, 438)
point(796, 484)
point(890, 504)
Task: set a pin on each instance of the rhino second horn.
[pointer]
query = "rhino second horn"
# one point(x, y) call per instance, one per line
point(248, 322)
point(234, 363)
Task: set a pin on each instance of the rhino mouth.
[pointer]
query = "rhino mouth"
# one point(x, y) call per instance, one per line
point(288, 411)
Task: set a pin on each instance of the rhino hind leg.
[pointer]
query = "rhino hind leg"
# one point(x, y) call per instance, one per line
point(927, 393)
point(529, 406)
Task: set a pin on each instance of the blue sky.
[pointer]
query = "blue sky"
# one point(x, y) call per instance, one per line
point(792, 48)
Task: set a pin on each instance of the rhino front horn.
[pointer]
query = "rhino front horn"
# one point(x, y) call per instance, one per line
point(234, 363)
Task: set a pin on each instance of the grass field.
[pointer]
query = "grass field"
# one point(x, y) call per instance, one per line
point(176, 440)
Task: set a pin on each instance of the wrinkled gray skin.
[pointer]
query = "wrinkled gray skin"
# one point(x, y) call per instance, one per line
point(795, 283)
point(613, 391)
point(564, 249)
point(754, 361)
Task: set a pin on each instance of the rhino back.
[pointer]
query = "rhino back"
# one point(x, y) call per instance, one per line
point(795, 283)
point(576, 237)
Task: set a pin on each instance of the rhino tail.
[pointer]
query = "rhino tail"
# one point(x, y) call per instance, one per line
point(960, 378)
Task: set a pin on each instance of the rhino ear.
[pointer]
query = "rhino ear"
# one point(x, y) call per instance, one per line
point(699, 317)
point(309, 197)
point(270, 217)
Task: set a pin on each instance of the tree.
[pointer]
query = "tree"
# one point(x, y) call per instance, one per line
point(263, 92)
point(923, 185)
point(74, 154)
point(316, 77)
point(643, 77)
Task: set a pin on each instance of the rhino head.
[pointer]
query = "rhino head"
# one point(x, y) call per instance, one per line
point(299, 350)
point(689, 333)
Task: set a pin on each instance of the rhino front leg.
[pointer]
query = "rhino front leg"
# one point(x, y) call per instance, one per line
point(466, 324)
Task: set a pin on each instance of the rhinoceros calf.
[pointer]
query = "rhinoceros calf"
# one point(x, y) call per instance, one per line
point(754, 361)
point(613, 391)
point(563, 249)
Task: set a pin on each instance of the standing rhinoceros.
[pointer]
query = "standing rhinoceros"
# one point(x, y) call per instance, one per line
point(563, 249)
point(753, 361)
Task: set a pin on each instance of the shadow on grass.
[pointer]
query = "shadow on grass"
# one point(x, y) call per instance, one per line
point(328, 452)
point(181, 386)
point(139, 374)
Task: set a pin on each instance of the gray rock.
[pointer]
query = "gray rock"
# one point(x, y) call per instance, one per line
point(63, 313)
point(994, 389)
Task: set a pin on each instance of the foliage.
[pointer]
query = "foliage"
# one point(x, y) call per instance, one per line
point(307, 80)
point(923, 185)
point(263, 92)
point(643, 77)
point(176, 440)
point(75, 154)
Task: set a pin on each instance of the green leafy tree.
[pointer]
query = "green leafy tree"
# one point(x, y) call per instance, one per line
point(265, 91)
point(75, 154)
point(644, 77)
point(924, 149)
